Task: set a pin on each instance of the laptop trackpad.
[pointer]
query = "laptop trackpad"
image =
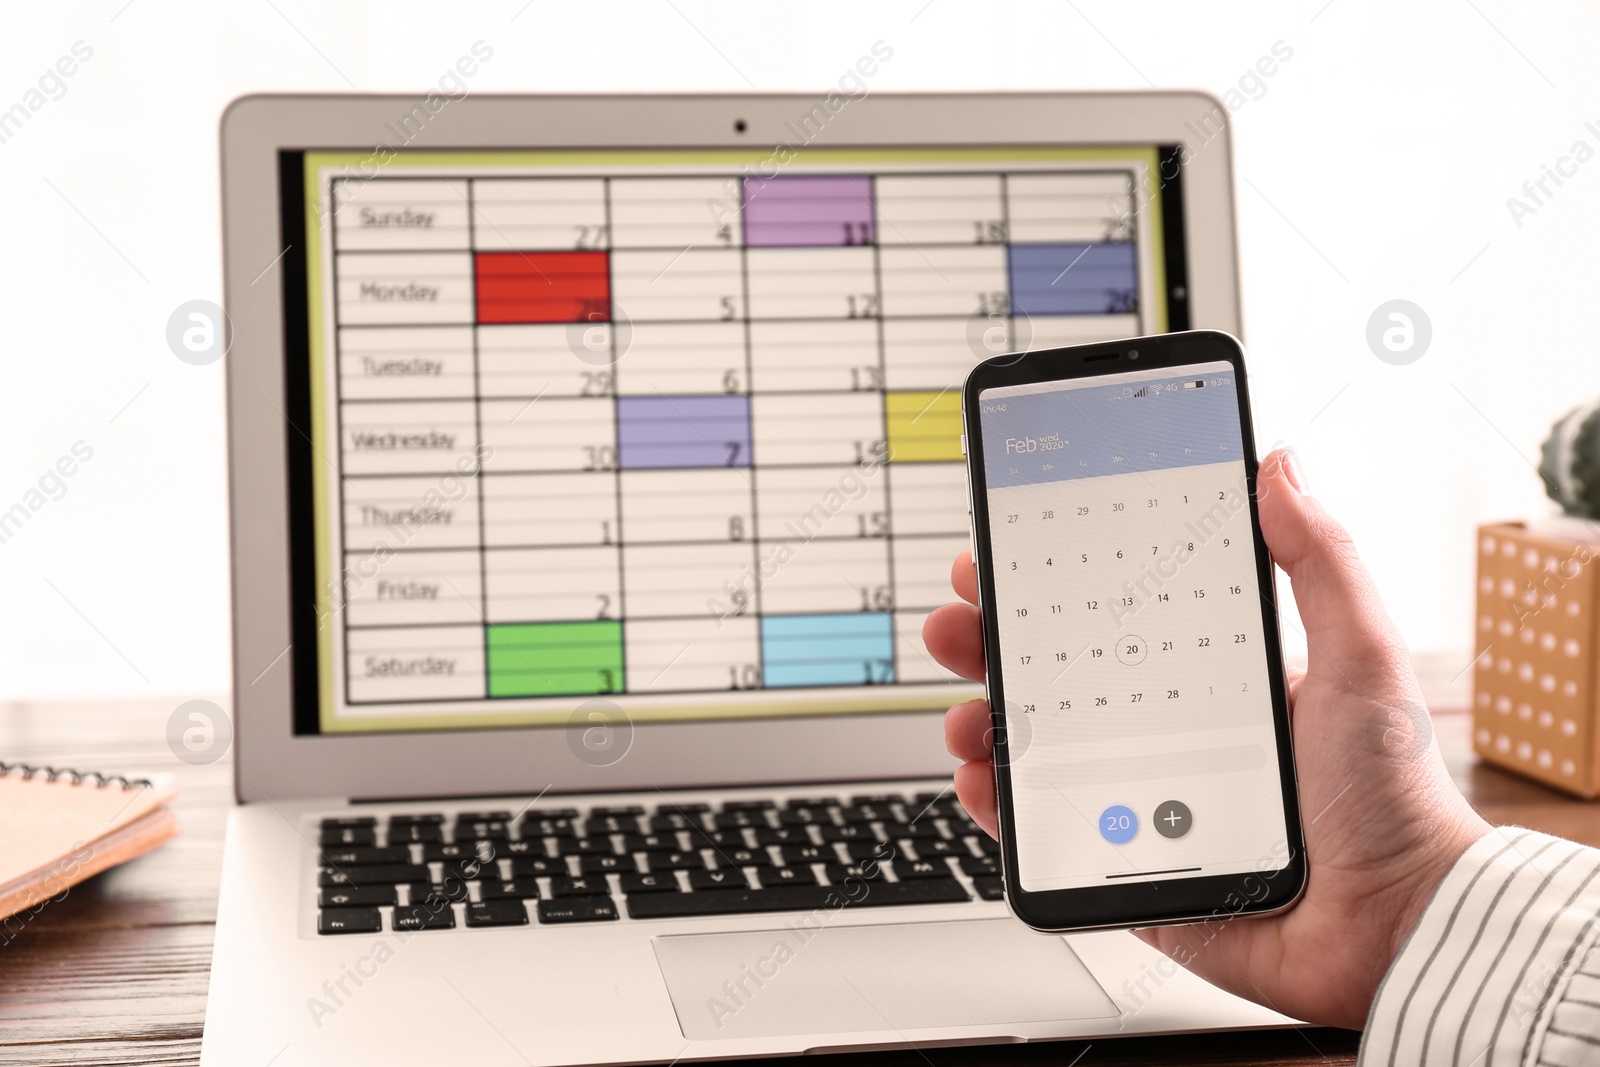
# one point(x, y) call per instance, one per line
point(906, 976)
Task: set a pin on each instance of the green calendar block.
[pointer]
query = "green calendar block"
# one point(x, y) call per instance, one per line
point(555, 658)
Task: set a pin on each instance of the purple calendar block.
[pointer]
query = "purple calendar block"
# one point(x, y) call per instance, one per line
point(655, 432)
point(804, 212)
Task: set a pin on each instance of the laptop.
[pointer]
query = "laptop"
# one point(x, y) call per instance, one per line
point(595, 463)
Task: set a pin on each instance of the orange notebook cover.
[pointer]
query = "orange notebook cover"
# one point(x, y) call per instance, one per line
point(59, 826)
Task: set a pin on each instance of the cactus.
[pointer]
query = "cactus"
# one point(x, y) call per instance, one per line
point(1570, 461)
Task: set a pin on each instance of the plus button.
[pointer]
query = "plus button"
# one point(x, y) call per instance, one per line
point(1173, 819)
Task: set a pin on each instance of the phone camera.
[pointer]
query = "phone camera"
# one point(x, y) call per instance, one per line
point(1133, 353)
point(739, 126)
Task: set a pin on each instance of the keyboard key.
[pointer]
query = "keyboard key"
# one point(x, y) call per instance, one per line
point(978, 866)
point(721, 878)
point(929, 798)
point(356, 897)
point(748, 804)
point(429, 915)
point(667, 824)
point(584, 885)
point(868, 850)
point(793, 898)
point(454, 892)
point(606, 864)
point(802, 854)
point(990, 887)
point(364, 857)
point(667, 842)
point(934, 847)
point(601, 811)
point(685, 808)
point(552, 826)
point(937, 809)
point(470, 870)
point(812, 802)
point(783, 835)
point(839, 873)
point(877, 799)
point(935, 868)
point(533, 846)
point(512, 889)
point(550, 813)
point(425, 819)
point(986, 844)
point(849, 832)
point(675, 861)
point(717, 838)
point(585, 909)
point(339, 822)
point(442, 853)
point(347, 837)
point(771, 876)
point(349, 921)
point(483, 829)
point(585, 846)
point(922, 828)
point(803, 816)
point(534, 866)
point(385, 874)
point(415, 833)
point(500, 912)
point(611, 824)
point(742, 857)
point(654, 882)
point(482, 816)
point(734, 820)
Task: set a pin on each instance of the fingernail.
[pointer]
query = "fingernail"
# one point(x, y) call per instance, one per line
point(1294, 471)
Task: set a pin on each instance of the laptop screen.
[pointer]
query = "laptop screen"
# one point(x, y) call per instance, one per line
point(673, 430)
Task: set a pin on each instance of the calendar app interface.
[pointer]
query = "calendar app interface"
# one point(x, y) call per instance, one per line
point(1130, 622)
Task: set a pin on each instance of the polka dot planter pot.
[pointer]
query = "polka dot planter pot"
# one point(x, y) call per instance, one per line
point(1536, 681)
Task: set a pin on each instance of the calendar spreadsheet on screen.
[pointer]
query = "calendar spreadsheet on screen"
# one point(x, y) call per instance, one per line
point(674, 429)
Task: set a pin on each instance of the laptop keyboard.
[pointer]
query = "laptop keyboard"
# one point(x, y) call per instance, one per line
point(429, 871)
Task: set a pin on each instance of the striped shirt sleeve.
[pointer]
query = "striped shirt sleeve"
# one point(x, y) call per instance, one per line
point(1502, 969)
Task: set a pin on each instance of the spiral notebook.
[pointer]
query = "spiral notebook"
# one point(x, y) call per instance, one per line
point(59, 826)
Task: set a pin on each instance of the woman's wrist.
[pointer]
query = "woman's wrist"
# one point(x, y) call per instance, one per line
point(1457, 831)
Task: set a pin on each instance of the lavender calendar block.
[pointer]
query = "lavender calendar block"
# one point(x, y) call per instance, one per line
point(1074, 279)
point(808, 212)
point(683, 431)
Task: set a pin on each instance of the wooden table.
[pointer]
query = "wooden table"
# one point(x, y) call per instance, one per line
point(117, 972)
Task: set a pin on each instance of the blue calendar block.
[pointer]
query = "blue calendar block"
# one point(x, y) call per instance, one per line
point(1074, 279)
point(807, 650)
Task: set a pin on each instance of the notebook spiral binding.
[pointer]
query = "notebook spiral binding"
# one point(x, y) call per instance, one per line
point(52, 774)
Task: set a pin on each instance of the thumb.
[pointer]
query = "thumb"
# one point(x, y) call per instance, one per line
point(1349, 635)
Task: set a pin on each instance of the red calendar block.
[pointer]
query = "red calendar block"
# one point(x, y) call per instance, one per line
point(524, 287)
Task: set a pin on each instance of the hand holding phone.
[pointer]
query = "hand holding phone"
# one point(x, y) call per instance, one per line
point(1383, 821)
point(1137, 683)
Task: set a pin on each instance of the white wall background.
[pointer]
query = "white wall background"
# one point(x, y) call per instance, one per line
point(1374, 164)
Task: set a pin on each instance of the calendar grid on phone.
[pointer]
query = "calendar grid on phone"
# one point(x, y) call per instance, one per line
point(1129, 597)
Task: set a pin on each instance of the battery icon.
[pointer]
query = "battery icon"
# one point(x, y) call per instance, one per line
point(1199, 383)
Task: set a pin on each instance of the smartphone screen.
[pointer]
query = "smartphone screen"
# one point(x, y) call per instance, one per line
point(1135, 649)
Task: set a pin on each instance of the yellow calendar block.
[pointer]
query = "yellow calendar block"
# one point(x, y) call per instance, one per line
point(923, 427)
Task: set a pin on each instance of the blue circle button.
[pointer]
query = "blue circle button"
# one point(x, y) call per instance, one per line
point(1118, 824)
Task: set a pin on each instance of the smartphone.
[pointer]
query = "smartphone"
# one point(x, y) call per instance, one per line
point(1135, 672)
